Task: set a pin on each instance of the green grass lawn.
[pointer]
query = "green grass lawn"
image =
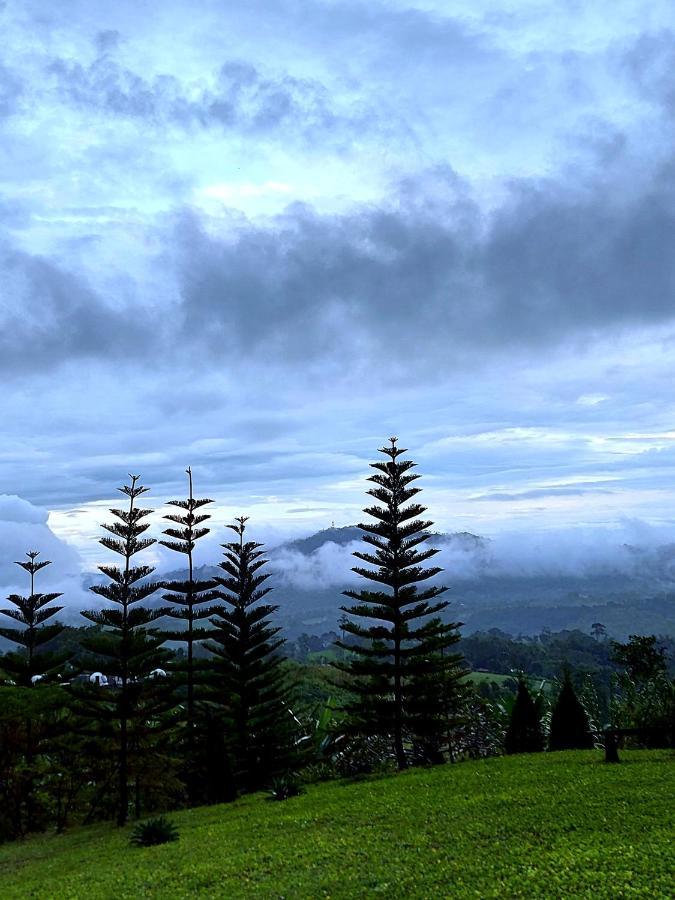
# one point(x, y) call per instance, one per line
point(554, 825)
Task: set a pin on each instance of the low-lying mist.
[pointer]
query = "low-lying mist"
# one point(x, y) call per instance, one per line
point(641, 553)
point(632, 548)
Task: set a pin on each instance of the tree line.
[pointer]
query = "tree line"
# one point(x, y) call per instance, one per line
point(161, 727)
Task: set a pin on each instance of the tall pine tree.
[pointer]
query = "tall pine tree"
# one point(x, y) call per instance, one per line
point(31, 613)
point(403, 675)
point(188, 597)
point(248, 681)
point(126, 649)
point(26, 667)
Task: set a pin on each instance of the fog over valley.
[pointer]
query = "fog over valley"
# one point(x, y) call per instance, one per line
point(623, 576)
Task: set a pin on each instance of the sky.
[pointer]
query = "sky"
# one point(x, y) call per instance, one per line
point(259, 238)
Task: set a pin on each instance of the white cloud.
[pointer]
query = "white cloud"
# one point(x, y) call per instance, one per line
point(24, 527)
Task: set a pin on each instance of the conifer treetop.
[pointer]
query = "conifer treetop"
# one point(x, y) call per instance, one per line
point(183, 540)
point(32, 566)
point(393, 450)
point(127, 542)
point(240, 526)
point(396, 534)
point(188, 594)
point(30, 610)
point(134, 489)
point(242, 560)
point(31, 613)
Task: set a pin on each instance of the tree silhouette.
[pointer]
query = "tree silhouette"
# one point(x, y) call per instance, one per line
point(26, 667)
point(248, 681)
point(598, 630)
point(31, 613)
point(570, 726)
point(188, 598)
point(642, 656)
point(524, 733)
point(126, 650)
point(402, 673)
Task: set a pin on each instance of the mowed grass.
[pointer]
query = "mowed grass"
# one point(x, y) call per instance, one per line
point(555, 825)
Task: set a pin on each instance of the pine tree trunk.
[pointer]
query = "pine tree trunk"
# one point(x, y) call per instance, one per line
point(401, 761)
point(190, 674)
point(123, 786)
point(190, 780)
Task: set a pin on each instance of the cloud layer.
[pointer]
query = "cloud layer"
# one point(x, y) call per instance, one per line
point(23, 528)
point(259, 238)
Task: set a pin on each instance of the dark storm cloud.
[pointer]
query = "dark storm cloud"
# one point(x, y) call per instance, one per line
point(241, 98)
point(555, 262)
point(425, 273)
point(10, 92)
point(422, 275)
point(649, 62)
point(49, 315)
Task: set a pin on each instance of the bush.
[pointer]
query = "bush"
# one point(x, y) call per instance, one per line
point(646, 704)
point(154, 831)
point(364, 755)
point(319, 771)
point(285, 786)
point(570, 725)
point(524, 734)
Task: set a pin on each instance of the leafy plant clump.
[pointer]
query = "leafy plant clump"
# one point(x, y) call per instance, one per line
point(159, 830)
point(285, 786)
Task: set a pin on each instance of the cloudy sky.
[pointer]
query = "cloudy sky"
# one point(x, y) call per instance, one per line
point(260, 237)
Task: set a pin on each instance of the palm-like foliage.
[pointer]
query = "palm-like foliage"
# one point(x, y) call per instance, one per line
point(159, 830)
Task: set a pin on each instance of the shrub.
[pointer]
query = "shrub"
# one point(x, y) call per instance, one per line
point(570, 725)
point(285, 786)
point(364, 755)
point(319, 771)
point(524, 734)
point(154, 831)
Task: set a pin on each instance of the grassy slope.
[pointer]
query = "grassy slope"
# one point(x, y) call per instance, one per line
point(556, 825)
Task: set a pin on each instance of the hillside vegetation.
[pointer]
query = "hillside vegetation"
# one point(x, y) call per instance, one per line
point(546, 826)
